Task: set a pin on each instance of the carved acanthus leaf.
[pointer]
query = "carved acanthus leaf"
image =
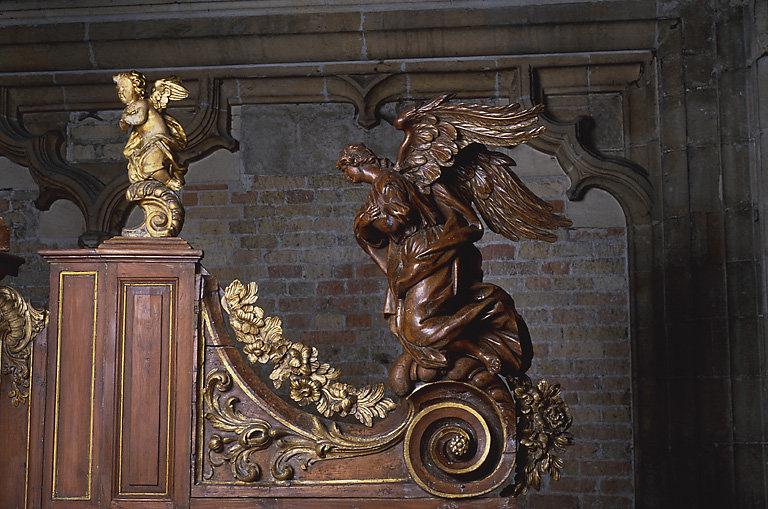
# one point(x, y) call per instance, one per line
point(20, 322)
point(242, 436)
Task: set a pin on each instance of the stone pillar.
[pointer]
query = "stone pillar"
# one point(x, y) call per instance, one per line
point(120, 373)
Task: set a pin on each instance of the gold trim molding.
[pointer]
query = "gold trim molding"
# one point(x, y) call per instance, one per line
point(54, 475)
point(296, 363)
point(20, 322)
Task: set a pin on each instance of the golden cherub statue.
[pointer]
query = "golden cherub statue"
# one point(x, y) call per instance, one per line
point(155, 174)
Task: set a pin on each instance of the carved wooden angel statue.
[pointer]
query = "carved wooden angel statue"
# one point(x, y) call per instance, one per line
point(155, 174)
point(419, 224)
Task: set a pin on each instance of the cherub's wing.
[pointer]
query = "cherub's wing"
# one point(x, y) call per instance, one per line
point(437, 131)
point(177, 131)
point(167, 89)
point(485, 178)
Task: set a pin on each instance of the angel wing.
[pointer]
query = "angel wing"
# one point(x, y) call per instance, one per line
point(436, 131)
point(452, 136)
point(485, 178)
point(167, 89)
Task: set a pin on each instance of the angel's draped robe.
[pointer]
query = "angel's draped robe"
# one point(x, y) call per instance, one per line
point(436, 297)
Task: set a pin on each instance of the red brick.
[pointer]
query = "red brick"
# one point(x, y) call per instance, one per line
point(364, 286)
point(616, 486)
point(330, 288)
point(499, 251)
point(205, 187)
point(359, 320)
point(189, 199)
point(538, 283)
point(604, 468)
point(299, 196)
point(238, 198)
point(344, 271)
point(548, 501)
point(213, 197)
point(559, 268)
point(291, 271)
point(369, 270)
point(296, 304)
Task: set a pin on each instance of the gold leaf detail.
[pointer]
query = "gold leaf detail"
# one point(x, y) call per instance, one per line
point(543, 431)
point(241, 436)
point(297, 364)
point(20, 322)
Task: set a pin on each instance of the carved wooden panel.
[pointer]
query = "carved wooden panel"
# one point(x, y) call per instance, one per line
point(145, 388)
point(122, 355)
point(71, 457)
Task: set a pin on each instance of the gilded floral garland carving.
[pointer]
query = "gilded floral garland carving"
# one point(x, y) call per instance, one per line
point(20, 322)
point(310, 381)
point(542, 431)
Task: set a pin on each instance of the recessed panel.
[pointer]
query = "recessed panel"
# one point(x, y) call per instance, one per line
point(144, 396)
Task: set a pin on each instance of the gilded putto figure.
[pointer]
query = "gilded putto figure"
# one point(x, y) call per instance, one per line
point(154, 171)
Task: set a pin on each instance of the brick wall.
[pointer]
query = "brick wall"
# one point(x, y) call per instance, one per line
point(278, 213)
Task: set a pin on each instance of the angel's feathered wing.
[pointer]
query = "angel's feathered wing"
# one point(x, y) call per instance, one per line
point(506, 205)
point(165, 90)
point(447, 140)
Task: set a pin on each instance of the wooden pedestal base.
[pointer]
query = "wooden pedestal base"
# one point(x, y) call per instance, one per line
point(120, 370)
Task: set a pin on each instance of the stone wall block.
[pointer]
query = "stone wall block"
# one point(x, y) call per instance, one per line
point(702, 116)
point(673, 123)
point(729, 26)
point(750, 474)
point(742, 289)
point(699, 70)
point(698, 25)
point(733, 106)
point(704, 174)
point(674, 180)
point(748, 356)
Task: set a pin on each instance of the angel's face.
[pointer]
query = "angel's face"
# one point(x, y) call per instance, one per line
point(125, 90)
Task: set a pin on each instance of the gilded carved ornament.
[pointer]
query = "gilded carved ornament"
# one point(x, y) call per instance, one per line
point(310, 381)
point(155, 173)
point(20, 322)
point(247, 435)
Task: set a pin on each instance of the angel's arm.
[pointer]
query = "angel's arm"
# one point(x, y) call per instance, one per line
point(370, 238)
point(135, 113)
point(460, 225)
point(450, 204)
